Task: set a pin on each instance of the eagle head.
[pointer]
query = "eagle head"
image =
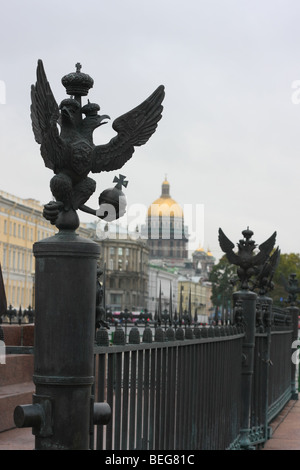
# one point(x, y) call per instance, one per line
point(70, 110)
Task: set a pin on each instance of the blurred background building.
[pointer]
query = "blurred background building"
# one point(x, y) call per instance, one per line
point(137, 267)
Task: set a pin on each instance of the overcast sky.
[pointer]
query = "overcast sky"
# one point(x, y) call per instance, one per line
point(229, 139)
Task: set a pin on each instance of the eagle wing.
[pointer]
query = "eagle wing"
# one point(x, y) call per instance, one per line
point(44, 117)
point(274, 260)
point(264, 250)
point(268, 268)
point(134, 129)
point(227, 246)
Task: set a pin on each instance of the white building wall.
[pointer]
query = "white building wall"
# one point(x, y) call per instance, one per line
point(159, 276)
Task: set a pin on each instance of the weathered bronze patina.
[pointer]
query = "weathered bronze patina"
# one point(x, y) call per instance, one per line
point(71, 153)
point(68, 295)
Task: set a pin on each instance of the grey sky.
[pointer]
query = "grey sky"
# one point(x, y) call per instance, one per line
point(229, 137)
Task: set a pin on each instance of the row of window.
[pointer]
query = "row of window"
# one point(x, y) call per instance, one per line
point(17, 260)
point(126, 284)
point(169, 253)
point(172, 243)
point(120, 264)
point(19, 231)
point(113, 250)
point(166, 222)
point(115, 300)
point(124, 259)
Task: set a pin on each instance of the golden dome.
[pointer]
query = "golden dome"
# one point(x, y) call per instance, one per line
point(165, 206)
point(200, 249)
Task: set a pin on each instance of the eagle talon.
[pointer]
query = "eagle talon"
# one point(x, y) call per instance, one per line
point(52, 210)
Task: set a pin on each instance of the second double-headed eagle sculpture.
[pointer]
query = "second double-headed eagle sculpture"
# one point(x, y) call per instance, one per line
point(65, 135)
point(247, 261)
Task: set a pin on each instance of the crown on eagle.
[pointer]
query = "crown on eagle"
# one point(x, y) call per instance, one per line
point(77, 83)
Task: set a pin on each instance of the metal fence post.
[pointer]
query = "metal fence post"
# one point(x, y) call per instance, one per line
point(64, 340)
point(294, 313)
point(266, 304)
point(247, 302)
point(245, 306)
point(292, 288)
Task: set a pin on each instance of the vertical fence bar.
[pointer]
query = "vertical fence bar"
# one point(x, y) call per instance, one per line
point(191, 388)
point(153, 393)
point(133, 411)
point(173, 365)
point(125, 407)
point(200, 395)
point(267, 321)
point(227, 359)
point(118, 399)
point(169, 385)
point(110, 400)
point(179, 400)
point(221, 400)
point(145, 442)
point(203, 404)
point(185, 396)
point(157, 434)
point(194, 417)
point(163, 428)
point(102, 359)
point(209, 375)
point(214, 421)
point(140, 408)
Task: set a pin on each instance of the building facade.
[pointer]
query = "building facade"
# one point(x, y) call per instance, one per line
point(21, 225)
point(167, 238)
point(195, 294)
point(124, 258)
point(136, 267)
point(162, 281)
point(203, 262)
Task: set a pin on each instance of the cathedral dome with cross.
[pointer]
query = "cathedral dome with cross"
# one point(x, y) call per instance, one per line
point(165, 205)
point(166, 233)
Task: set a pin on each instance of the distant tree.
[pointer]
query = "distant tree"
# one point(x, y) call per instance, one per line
point(223, 272)
point(222, 289)
point(288, 264)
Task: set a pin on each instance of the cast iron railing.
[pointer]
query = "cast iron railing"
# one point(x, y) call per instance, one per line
point(179, 394)
point(181, 388)
point(186, 393)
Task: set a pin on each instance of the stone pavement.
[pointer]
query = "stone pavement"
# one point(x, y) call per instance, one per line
point(285, 432)
point(17, 439)
point(286, 429)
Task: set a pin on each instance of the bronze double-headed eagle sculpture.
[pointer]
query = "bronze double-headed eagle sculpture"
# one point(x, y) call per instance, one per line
point(65, 135)
point(248, 262)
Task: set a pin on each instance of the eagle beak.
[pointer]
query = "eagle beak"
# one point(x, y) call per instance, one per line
point(65, 111)
point(101, 118)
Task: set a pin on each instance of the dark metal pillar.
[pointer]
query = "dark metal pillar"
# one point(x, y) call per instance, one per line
point(247, 301)
point(293, 289)
point(64, 339)
point(294, 312)
point(266, 304)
